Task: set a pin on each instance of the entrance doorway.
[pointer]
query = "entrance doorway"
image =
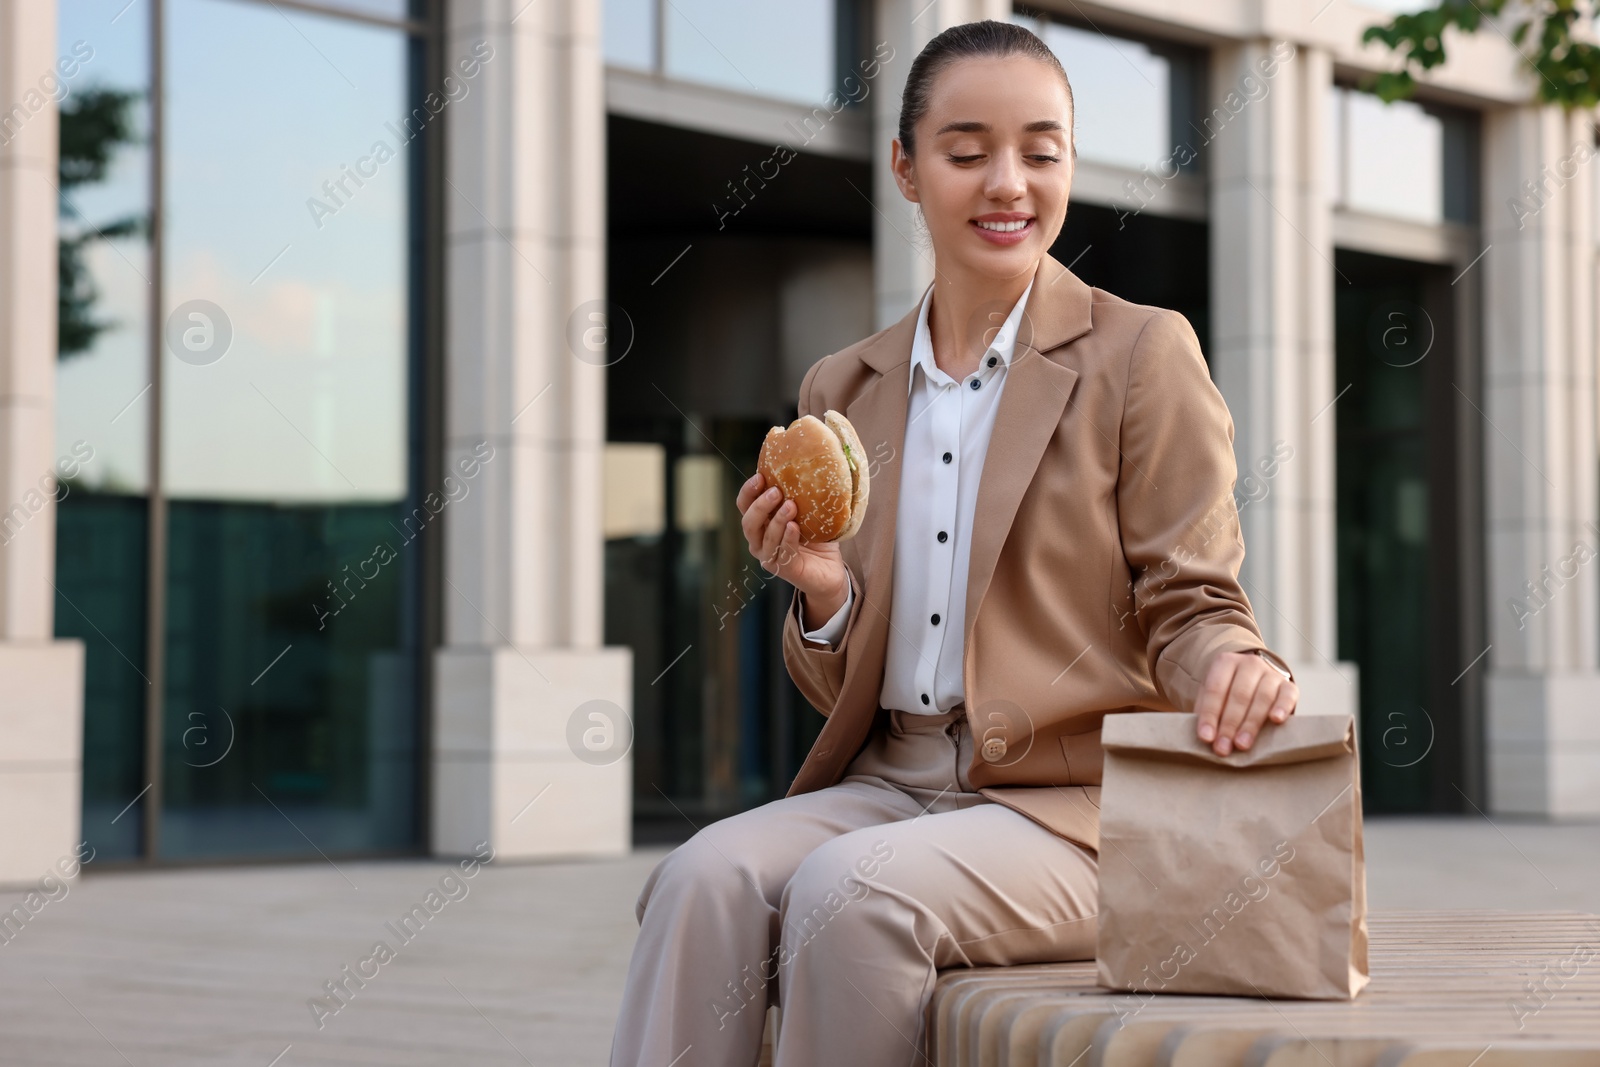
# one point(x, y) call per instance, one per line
point(1405, 531)
point(725, 315)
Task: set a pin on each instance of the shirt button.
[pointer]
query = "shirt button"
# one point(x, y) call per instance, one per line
point(994, 749)
point(924, 698)
point(993, 360)
point(976, 384)
point(936, 618)
point(947, 457)
point(943, 537)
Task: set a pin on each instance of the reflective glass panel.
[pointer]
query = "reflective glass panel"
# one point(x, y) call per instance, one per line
point(100, 470)
point(630, 33)
point(291, 644)
point(1121, 91)
point(783, 50)
point(393, 9)
point(1390, 157)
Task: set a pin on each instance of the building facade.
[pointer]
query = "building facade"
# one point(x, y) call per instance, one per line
point(378, 375)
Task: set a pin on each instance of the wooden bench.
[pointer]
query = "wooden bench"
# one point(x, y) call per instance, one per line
point(1448, 989)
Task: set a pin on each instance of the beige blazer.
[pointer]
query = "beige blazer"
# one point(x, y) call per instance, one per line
point(1105, 554)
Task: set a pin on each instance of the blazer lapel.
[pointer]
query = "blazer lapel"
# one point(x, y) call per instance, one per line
point(878, 414)
point(1035, 395)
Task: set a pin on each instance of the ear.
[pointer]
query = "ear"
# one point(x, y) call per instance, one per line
point(900, 166)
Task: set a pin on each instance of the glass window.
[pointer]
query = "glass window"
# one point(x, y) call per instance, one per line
point(1406, 160)
point(273, 216)
point(1135, 102)
point(390, 9)
point(1392, 158)
point(630, 33)
point(283, 391)
point(291, 563)
point(798, 51)
point(1120, 90)
point(103, 401)
point(783, 50)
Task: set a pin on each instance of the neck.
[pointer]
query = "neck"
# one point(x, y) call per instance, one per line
point(968, 310)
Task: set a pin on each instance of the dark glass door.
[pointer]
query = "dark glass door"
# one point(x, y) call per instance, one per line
point(1399, 542)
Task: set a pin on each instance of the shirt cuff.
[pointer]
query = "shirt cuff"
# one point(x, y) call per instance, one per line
point(829, 632)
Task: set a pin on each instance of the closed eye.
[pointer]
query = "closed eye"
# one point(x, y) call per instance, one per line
point(969, 159)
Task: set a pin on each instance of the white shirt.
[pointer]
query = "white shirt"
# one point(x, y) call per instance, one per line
point(948, 425)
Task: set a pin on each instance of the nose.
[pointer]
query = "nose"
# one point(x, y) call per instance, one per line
point(1006, 181)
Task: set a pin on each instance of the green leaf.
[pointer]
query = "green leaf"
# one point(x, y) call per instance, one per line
point(1565, 69)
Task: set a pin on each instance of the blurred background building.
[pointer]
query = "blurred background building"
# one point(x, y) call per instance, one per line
point(368, 458)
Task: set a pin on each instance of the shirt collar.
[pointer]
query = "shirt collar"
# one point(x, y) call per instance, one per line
point(1004, 343)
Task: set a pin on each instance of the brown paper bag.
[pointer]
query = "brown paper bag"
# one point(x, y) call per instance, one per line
point(1240, 874)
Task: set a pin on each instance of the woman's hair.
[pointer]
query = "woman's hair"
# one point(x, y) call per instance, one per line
point(986, 38)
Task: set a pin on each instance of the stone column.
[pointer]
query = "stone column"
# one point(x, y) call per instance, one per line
point(1272, 343)
point(1540, 457)
point(523, 685)
point(902, 252)
point(41, 679)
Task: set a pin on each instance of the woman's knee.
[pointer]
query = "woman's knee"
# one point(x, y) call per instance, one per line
point(832, 877)
point(701, 869)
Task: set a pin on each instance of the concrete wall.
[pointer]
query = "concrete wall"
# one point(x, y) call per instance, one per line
point(531, 713)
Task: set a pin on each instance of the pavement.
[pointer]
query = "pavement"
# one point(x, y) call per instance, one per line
point(516, 964)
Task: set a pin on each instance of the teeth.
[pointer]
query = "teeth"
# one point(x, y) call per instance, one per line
point(1004, 227)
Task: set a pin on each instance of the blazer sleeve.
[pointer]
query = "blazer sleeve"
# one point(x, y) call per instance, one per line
point(818, 671)
point(1175, 506)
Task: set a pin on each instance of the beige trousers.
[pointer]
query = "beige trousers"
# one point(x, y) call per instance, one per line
point(841, 905)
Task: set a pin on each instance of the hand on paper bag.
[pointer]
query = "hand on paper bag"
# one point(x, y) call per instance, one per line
point(1241, 694)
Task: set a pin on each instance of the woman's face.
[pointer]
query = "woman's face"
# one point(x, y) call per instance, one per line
point(994, 147)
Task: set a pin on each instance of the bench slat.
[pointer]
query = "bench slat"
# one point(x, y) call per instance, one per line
point(1446, 986)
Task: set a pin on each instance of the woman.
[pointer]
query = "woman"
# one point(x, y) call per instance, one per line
point(1051, 537)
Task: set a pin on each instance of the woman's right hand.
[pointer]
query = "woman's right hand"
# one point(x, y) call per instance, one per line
point(817, 570)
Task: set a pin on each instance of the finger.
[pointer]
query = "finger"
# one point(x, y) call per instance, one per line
point(773, 536)
point(1208, 708)
point(789, 547)
point(757, 516)
point(788, 544)
point(1287, 700)
point(757, 512)
point(1245, 682)
point(748, 491)
point(1260, 704)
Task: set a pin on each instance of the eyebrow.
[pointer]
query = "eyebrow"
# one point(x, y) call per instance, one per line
point(971, 126)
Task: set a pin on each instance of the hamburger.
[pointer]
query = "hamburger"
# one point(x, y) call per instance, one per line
point(820, 465)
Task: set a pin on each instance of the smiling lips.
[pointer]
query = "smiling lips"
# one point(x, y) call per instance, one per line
point(1004, 227)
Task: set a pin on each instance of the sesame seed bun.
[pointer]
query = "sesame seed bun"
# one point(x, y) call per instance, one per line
point(809, 464)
